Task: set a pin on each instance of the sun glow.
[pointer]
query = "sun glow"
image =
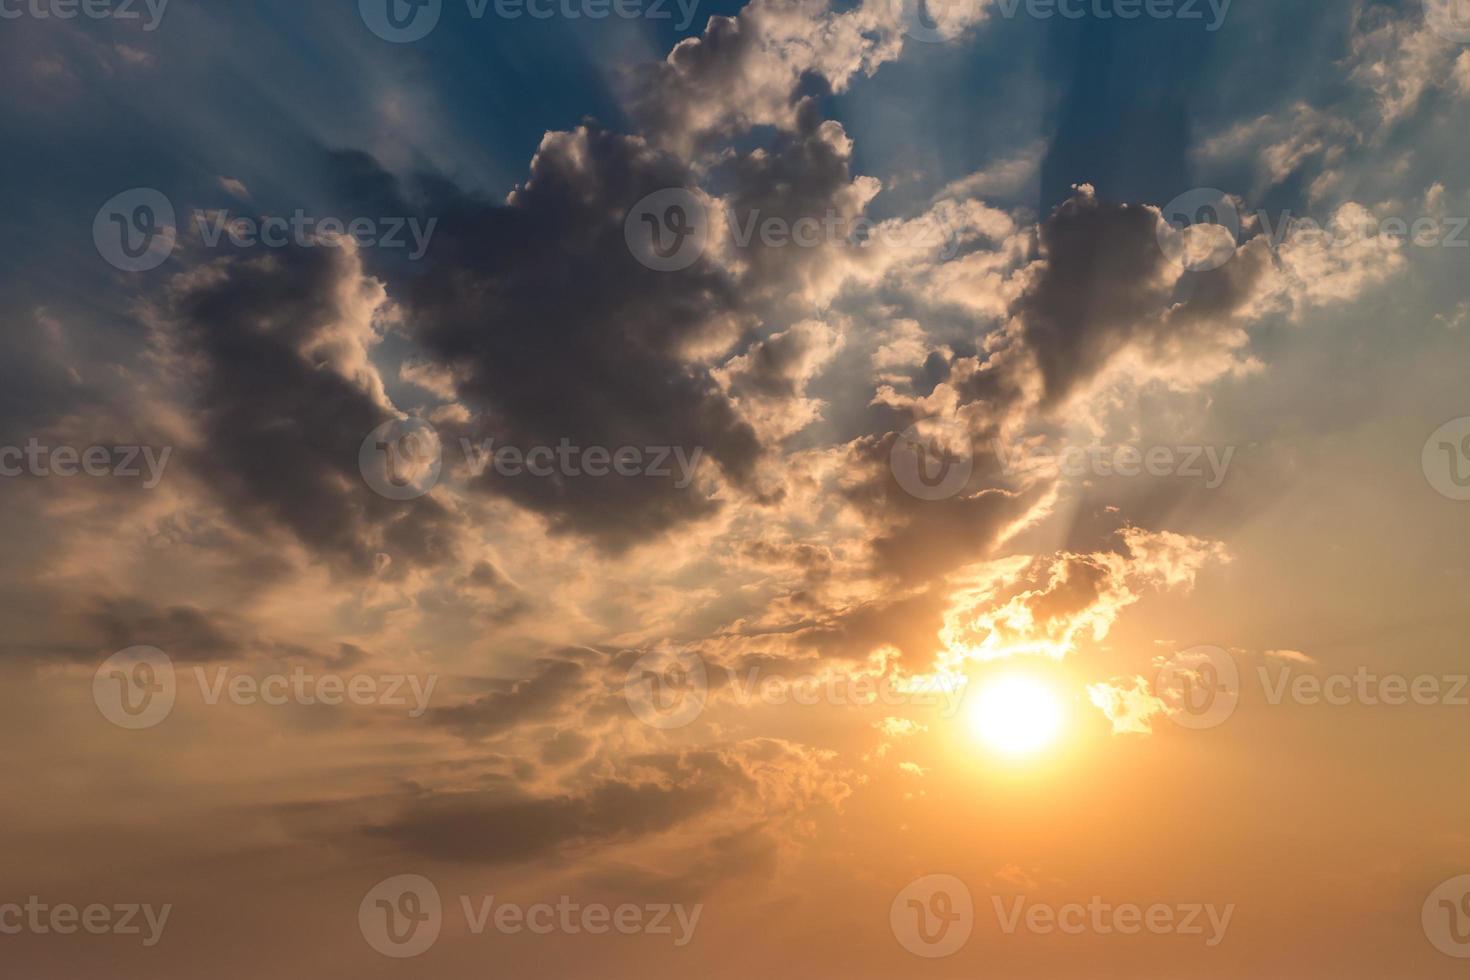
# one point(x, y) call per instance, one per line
point(1015, 715)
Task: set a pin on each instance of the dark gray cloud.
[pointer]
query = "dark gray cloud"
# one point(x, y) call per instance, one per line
point(557, 333)
point(281, 427)
point(496, 827)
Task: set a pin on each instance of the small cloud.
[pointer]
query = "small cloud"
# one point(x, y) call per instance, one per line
point(912, 768)
point(234, 188)
point(1295, 656)
point(899, 727)
point(1014, 876)
point(1129, 705)
point(133, 57)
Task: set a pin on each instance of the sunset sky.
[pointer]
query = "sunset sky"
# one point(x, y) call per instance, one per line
point(787, 488)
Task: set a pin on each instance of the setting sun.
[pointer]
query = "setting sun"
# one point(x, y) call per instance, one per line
point(1015, 715)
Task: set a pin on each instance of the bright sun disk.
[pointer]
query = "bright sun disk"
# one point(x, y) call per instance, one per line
point(1015, 715)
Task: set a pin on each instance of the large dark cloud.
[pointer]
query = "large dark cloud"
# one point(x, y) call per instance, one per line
point(280, 427)
point(497, 827)
point(558, 333)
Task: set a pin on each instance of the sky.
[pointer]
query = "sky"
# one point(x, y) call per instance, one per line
point(804, 488)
